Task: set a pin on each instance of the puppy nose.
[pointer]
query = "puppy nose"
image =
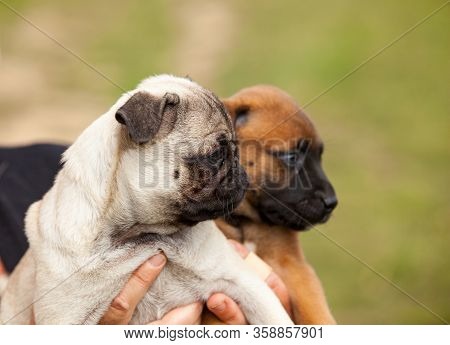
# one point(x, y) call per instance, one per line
point(330, 201)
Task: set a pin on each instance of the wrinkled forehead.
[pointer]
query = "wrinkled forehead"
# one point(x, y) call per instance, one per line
point(279, 128)
point(201, 116)
point(206, 113)
point(199, 106)
point(202, 122)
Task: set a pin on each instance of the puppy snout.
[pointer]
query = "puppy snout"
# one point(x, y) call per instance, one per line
point(236, 179)
point(329, 200)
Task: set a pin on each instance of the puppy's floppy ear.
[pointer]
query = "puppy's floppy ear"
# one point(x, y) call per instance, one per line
point(143, 114)
point(238, 111)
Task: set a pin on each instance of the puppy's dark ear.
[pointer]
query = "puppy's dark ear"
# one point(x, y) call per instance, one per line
point(143, 114)
point(238, 111)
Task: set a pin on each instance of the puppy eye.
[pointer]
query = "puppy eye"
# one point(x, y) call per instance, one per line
point(288, 158)
point(217, 158)
point(241, 116)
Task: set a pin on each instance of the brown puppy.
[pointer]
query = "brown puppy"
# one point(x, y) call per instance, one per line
point(281, 152)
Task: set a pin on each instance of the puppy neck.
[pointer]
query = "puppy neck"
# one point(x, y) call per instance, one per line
point(74, 209)
point(245, 210)
point(92, 201)
point(141, 233)
point(92, 159)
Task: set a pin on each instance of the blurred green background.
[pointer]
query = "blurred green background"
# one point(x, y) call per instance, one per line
point(386, 127)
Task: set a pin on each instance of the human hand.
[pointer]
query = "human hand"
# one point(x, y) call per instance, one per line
point(3, 277)
point(222, 306)
point(122, 307)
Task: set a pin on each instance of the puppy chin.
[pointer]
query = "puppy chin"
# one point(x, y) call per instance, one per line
point(198, 212)
point(193, 216)
point(300, 216)
point(218, 202)
point(194, 212)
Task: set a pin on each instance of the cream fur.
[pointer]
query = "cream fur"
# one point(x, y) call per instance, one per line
point(73, 269)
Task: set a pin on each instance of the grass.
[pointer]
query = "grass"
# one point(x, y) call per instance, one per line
point(385, 128)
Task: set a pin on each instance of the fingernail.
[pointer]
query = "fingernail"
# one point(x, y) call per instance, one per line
point(157, 260)
point(240, 248)
point(271, 279)
point(234, 244)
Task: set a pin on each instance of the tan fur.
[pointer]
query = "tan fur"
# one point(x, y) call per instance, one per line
point(279, 247)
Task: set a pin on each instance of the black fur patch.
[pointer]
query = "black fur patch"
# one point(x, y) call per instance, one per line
point(143, 115)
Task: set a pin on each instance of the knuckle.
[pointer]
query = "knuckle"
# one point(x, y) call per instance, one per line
point(143, 277)
point(120, 307)
point(119, 312)
point(231, 313)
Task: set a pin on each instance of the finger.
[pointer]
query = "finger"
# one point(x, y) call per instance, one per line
point(142, 279)
point(241, 249)
point(257, 265)
point(32, 321)
point(122, 308)
point(3, 277)
point(280, 289)
point(187, 315)
point(226, 310)
point(2, 269)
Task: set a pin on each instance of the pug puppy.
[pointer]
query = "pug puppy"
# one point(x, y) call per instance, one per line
point(144, 177)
